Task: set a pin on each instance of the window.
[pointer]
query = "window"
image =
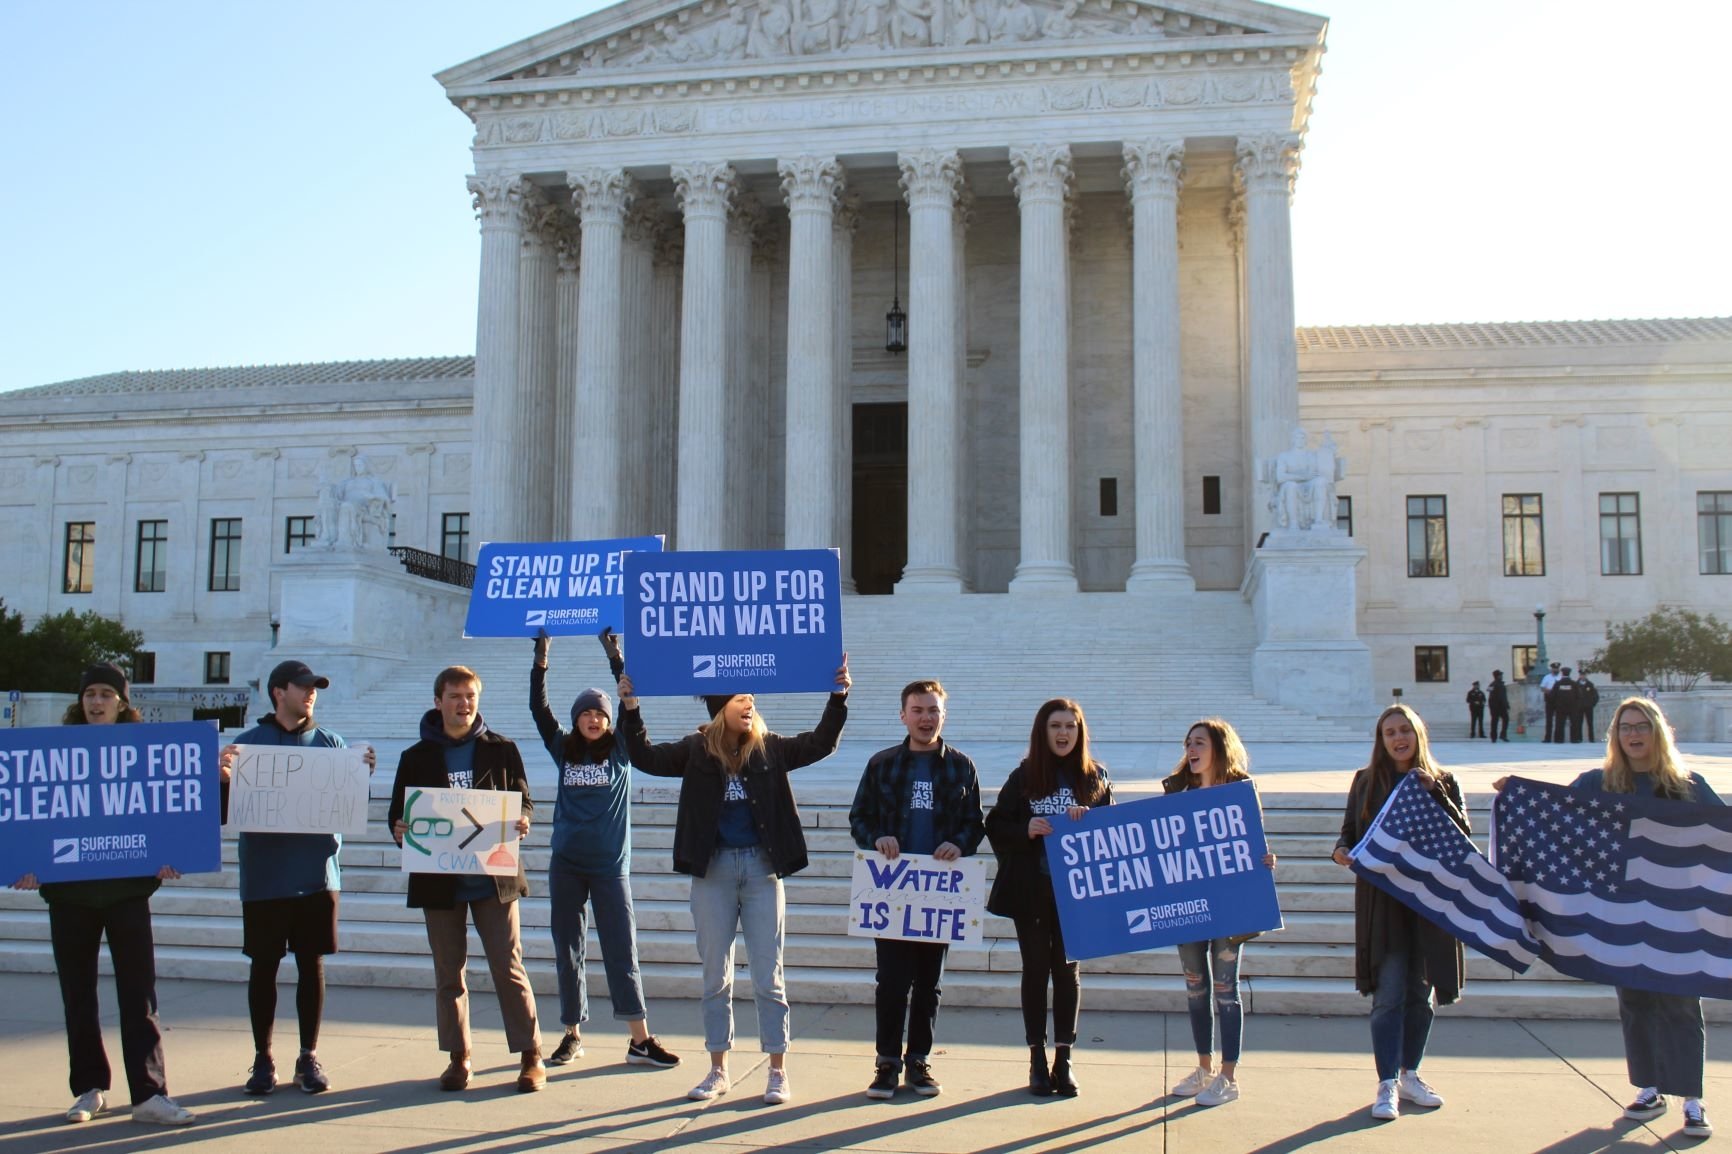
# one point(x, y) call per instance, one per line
point(297, 533)
point(1620, 534)
point(1521, 659)
point(216, 668)
point(1431, 663)
point(1211, 496)
point(1427, 537)
point(80, 557)
point(1109, 496)
point(1344, 515)
point(454, 536)
point(1714, 532)
point(1524, 536)
point(151, 573)
point(143, 667)
point(225, 554)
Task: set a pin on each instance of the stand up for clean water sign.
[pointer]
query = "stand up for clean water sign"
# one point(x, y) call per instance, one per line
point(564, 587)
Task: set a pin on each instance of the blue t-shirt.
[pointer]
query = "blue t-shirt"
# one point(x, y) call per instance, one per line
point(592, 812)
point(460, 774)
point(922, 825)
point(1052, 807)
point(735, 828)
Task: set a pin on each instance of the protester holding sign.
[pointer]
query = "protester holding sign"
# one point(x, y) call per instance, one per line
point(458, 751)
point(1400, 959)
point(1057, 779)
point(737, 833)
point(1213, 755)
point(289, 884)
point(920, 797)
point(591, 862)
point(79, 914)
point(1665, 1039)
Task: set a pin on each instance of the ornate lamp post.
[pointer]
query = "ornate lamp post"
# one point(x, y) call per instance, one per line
point(896, 321)
point(1539, 666)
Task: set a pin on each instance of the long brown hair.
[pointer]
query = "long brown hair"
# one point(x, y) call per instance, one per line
point(1043, 770)
point(1668, 775)
point(731, 751)
point(1382, 768)
point(1230, 763)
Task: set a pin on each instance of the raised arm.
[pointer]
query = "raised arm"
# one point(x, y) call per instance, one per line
point(667, 760)
point(546, 723)
point(814, 745)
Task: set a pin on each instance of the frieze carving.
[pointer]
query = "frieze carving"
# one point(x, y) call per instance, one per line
point(787, 29)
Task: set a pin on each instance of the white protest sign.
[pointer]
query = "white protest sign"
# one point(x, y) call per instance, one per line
point(298, 789)
point(917, 898)
point(461, 831)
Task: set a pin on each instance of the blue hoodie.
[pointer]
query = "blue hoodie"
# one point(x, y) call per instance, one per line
point(592, 811)
point(288, 865)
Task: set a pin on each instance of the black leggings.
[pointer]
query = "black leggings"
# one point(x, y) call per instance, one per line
point(1041, 941)
point(309, 999)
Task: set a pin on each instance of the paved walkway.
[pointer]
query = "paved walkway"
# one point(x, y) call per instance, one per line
point(1512, 1086)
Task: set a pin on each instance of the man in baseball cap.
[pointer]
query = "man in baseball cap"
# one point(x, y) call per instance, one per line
point(289, 673)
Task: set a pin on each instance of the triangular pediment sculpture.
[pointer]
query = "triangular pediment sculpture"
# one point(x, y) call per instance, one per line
point(716, 33)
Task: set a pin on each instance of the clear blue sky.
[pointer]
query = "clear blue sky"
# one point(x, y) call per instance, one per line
point(213, 183)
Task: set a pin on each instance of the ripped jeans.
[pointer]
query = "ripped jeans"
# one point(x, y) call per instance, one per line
point(1216, 963)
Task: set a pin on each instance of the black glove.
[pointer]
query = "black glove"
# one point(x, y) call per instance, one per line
point(615, 658)
point(542, 644)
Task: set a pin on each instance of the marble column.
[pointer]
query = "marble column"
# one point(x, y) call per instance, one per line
point(930, 178)
point(705, 190)
point(601, 197)
point(743, 429)
point(1266, 166)
point(564, 411)
point(636, 414)
point(810, 184)
point(842, 225)
point(960, 220)
point(537, 368)
point(501, 419)
point(664, 403)
point(1153, 171)
point(1042, 176)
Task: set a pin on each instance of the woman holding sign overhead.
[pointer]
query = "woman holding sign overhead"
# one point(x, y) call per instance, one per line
point(1058, 780)
point(737, 833)
point(1399, 958)
point(1214, 755)
point(79, 914)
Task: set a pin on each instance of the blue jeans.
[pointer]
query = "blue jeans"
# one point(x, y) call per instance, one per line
point(1214, 962)
point(740, 890)
point(1401, 1014)
point(615, 924)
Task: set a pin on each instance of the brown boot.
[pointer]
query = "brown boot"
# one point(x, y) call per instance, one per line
point(456, 1075)
point(533, 1075)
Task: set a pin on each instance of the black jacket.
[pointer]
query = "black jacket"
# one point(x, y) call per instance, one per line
point(498, 765)
point(881, 803)
point(1499, 697)
point(1007, 828)
point(765, 778)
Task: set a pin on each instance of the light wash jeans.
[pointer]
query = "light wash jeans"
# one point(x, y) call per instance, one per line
point(1401, 1014)
point(615, 925)
point(1214, 962)
point(741, 890)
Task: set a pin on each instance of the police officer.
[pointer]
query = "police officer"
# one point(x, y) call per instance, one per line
point(1548, 683)
point(1563, 707)
point(1499, 702)
point(1589, 697)
point(1476, 711)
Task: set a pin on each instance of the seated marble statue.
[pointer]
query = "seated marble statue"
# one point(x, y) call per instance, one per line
point(355, 512)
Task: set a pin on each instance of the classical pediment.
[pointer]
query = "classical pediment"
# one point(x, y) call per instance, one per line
point(691, 37)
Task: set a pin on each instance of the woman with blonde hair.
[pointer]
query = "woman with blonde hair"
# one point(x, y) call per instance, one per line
point(1665, 1039)
point(1399, 958)
point(1214, 755)
point(737, 834)
point(1057, 779)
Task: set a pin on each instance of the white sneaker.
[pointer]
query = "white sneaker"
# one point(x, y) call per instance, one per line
point(1192, 1084)
point(777, 1091)
point(1387, 1108)
point(89, 1105)
point(1696, 1124)
point(162, 1111)
point(1222, 1090)
point(1413, 1088)
point(714, 1085)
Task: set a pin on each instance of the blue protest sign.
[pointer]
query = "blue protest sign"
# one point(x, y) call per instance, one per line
point(564, 587)
point(740, 622)
point(82, 802)
point(1185, 867)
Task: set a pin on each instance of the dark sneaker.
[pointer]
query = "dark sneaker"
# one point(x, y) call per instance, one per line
point(310, 1076)
point(570, 1047)
point(920, 1079)
point(884, 1079)
point(264, 1078)
point(649, 1052)
point(1649, 1104)
point(1696, 1124)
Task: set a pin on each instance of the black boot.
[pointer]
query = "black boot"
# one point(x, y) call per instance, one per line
point(1062, 1082)
point(1039, 1081)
